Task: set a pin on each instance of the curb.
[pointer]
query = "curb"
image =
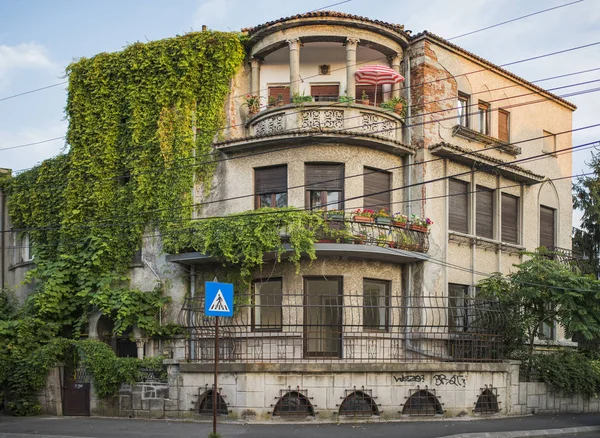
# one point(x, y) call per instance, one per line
point(522, 433)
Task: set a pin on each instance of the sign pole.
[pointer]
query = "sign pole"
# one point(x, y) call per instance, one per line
point(216, 375)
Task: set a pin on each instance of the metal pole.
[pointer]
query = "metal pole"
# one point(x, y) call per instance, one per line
point(216, 375)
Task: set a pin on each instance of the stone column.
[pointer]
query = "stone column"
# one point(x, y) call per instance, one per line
point(294, 65)
point(395, 64)
point(351, 44)
point(255, 76)
point(140, 347)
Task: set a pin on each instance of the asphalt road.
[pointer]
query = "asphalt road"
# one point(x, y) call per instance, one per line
point(13, 427)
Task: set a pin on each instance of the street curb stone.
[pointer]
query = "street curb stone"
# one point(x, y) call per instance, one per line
point(524, 433)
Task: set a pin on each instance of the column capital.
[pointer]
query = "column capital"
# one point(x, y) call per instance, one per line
point(351, 43)
point(256, 61)
point(141, 342)
point(294, 43)
point(395, 60)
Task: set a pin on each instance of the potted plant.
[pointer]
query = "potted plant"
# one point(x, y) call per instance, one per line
point(396, 104)
point(345, 99)
point(399, 219)
point(383, 217)
point(335, 215)
point(272, 101)
point(299, 99)
point(365, 98)
point(419, 224)
point(280, 101)
point(253, 103)
point(363, 215)
point(382, 240)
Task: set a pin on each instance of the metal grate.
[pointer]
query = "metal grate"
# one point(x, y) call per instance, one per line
point(487, 403)
point(293, 403)
point(359, 403)
point(422, 402)
point(324, 323)
point(205, 404)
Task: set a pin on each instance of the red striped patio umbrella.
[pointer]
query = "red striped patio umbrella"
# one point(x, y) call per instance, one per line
point(377, 75)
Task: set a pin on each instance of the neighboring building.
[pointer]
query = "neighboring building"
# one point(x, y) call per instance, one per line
point(387, 321)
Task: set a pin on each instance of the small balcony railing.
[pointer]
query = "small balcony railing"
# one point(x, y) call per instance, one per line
point(368, 231)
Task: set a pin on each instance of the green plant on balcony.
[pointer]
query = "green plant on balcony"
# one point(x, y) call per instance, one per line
point(396, 104)
point(399, 219)
point(365, 98)
point(272, 101)
point(335, 215)
point(300, 99)
point(363, 215)
point(252, 101)
point(383, 217)
point(346, 99)
point(420, 224)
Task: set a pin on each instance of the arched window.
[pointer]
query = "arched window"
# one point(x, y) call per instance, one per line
point(293, 404)
point(423, 402)
point(359, 403)
point(206, 403)
point(487, 403)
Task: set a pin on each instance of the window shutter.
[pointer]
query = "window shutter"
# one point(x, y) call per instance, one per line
point(375, 182)
point(510, 219)
point(459, 206)
point(547, 226)
point(324, 176)
point(284, 91)
point(325, 90)
point(484, 220)
point(503, 125)
point(270, 179)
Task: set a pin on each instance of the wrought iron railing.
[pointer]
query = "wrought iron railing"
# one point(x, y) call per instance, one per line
point(342, 229)
point(325, 326)
point(569, 258)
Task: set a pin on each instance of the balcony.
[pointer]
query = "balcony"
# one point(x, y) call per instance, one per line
point(350, 123)
point(349, 237)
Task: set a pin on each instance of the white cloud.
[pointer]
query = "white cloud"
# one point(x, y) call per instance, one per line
point(23, 56)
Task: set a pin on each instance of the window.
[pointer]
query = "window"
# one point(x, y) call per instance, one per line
point(549, 143)
point(376, 299)
point(463, 110)
point(370, 92)
point(457, 307)
point(483, 114)
point(377, 185)
point(459, 206)
point(22, 251)
point(325, 93)
point(547, 227)
point(484, 212)
point(546, 331)
point(324, 186)
point(510, 218)
point(270, 186)
point(266, 312)
point(323, 316)
point(281, 93)
point(504, 126)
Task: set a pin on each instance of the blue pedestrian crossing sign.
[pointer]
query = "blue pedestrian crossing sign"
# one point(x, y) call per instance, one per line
point(218, 299)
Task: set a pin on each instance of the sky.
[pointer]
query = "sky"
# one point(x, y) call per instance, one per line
point(39, 38)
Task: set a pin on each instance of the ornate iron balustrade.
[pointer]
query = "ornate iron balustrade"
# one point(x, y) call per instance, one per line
point(348, 230)
point(351, 327)
point(570, 259)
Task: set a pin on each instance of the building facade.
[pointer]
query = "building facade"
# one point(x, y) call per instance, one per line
point(386, 320)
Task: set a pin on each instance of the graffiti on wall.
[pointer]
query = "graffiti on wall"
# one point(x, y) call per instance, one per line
point(456, 380)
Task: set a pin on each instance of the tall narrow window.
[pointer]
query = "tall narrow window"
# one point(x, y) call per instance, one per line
point(325, 93)
point(547, 227)
point(549, 143)
point(510, 218)
point(484, 214)
point(457, 307)
point(266, 312)
point(270, 186)
point(279, 93)
point(323, 316)
point(324, 186)
point(483, 114)
point(376, 301)
point(377, 185)
point(459, 206)
point(463, 110)
point(504, 126)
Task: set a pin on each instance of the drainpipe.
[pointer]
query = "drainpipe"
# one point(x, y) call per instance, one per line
point(2, 236)
point(192, 294)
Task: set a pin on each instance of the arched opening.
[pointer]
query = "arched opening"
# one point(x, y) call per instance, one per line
point(422, 402)
point(206, 403)
point(293, 404)
point(487, 403)
point(359, 403)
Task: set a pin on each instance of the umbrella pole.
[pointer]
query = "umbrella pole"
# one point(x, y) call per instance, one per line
point(375, 96)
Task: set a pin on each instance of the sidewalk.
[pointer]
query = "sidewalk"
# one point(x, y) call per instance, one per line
point(79, 427)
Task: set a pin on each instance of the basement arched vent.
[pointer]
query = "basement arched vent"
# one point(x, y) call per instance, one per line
point(358, 403)
point(206, 403)
point(423, 402)
point(293, 404)
point(487, 402)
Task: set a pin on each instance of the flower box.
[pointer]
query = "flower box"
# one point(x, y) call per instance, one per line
point(399, 224)
point(335, 217)
point(363, 219)
point(420, 228)
point(384, 220)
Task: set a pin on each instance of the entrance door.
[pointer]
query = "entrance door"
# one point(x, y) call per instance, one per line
point(323, 317)
point(76, 393)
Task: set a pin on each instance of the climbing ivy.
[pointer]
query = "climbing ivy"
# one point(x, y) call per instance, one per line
point(141, 126)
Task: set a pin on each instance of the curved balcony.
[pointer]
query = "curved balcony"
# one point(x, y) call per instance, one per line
point(350, 238)
point(350, 123)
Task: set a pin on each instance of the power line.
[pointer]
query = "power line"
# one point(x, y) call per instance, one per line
point(33, 91)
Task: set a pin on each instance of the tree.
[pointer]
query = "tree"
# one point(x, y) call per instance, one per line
point(586, 197)
point(540, 291)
